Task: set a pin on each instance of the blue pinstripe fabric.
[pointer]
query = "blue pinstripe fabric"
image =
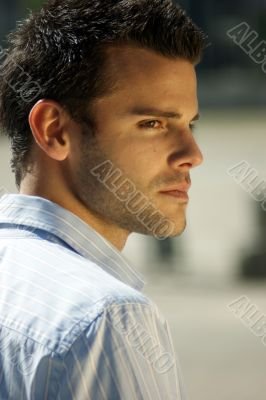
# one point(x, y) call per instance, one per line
point(73, 321)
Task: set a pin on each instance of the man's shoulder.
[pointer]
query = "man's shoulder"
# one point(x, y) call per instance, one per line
point(97, 295)
point(107, 302)
point(61, 293)
point(118, 303)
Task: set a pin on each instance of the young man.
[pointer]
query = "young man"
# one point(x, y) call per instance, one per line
point(99, 101)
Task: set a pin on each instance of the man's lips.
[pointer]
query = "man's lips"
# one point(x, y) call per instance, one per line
point(180, 191)
point(180, 188)
point(177, 194)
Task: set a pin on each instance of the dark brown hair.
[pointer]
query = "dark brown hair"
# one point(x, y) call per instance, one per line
point(59, 53)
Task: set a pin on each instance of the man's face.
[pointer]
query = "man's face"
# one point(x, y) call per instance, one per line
point(154, 153)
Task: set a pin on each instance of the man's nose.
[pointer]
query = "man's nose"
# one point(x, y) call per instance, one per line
point(188, 154)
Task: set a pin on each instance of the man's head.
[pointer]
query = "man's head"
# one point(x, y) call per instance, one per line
point(79, 87)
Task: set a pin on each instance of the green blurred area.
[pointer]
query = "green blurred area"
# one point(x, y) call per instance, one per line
point(32, 4)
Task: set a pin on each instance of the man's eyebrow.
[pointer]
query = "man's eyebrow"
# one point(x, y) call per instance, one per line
point(196, 118)
point(158, 113)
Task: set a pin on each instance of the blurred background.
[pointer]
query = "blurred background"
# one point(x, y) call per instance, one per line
point(221, 255)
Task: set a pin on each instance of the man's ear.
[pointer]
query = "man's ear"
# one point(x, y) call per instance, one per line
point(48, 122)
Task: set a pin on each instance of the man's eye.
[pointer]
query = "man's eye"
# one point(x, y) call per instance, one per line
point(192, 127)
point(150, 124)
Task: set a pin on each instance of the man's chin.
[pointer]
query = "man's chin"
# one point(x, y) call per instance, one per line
point(169, 229)
point(162, 228)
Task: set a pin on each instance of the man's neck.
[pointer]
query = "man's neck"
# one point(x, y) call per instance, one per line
point(115, 235)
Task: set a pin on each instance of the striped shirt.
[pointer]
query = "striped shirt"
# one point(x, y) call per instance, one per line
point(74, 324)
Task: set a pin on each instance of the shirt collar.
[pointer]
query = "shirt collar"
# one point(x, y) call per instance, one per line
point(40, 213)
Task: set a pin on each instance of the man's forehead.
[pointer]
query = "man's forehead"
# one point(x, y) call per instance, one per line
point(139, 80)
point(132, 61)
point(120, 53)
